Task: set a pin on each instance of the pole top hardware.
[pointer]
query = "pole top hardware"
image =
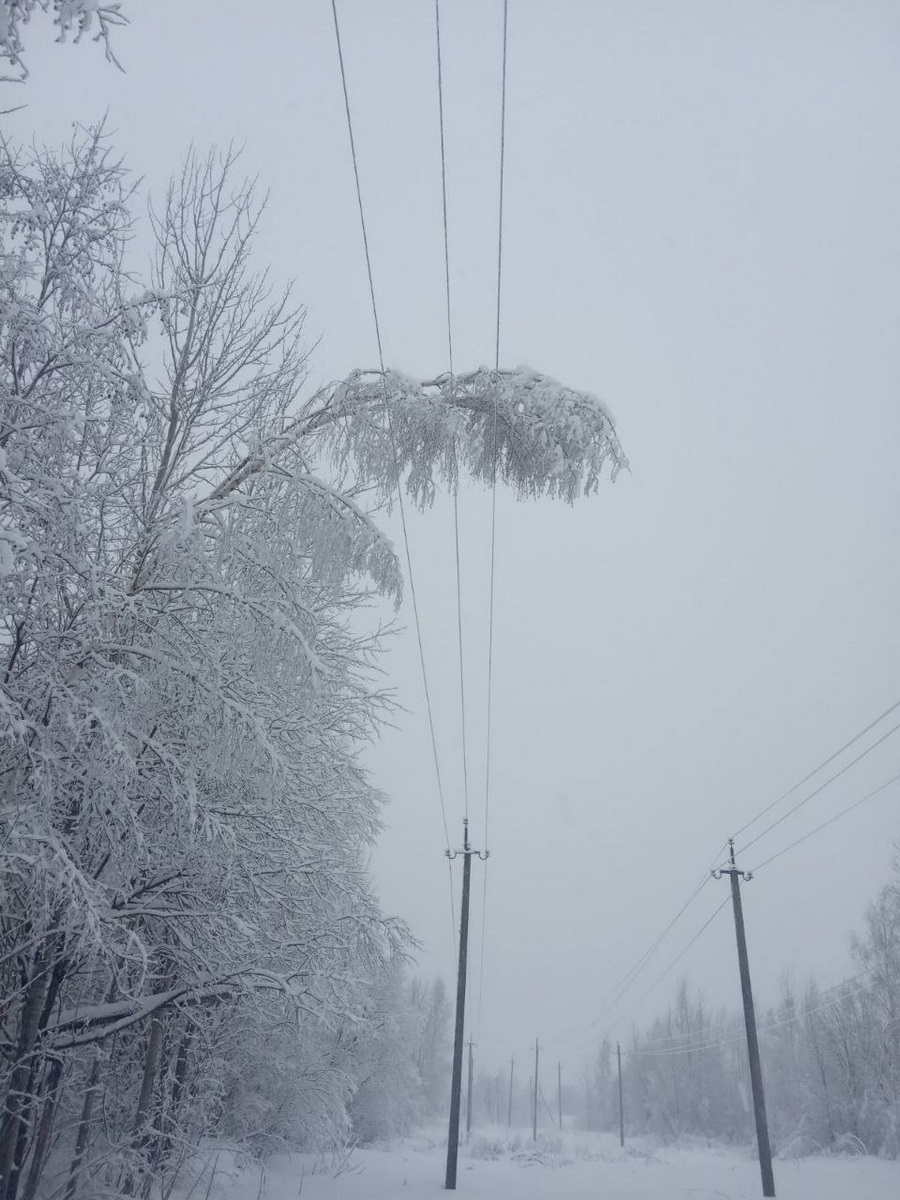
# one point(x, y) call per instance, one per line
point(731, 868)
point(467, 849)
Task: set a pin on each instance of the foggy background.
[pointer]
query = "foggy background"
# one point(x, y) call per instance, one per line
point(701, 227)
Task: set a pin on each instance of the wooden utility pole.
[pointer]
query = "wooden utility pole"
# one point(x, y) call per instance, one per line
point(756, 1080)
point(534, 1103)
point(559, 1095)
point(456, 1081)
point(621, 1105)
point(512, 1068)
point(469, 1093)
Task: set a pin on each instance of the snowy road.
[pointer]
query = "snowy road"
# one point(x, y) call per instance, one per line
point(586, 1167)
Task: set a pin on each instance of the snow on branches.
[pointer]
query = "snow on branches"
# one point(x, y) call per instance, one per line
point(546, 439)
point(183, 818)
point(78, 17)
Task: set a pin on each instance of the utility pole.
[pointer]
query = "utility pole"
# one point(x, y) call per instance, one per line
point(756, 1081)
point(469, 1093)
point(559, 1095)
point(512, 1068)
point(534, 1105)
point(456, 1081)
point(621, 1105)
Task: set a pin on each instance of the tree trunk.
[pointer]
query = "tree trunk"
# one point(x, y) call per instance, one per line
point(826, 1098)
point(178, 1086)
point(151, 1062)
point(16, 1115)
point(84, 1128)
point(45, 1130)
point(164, 1137)
point(32, 1092)
point(139, 1131)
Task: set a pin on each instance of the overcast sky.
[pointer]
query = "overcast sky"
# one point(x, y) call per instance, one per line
point(702, 228)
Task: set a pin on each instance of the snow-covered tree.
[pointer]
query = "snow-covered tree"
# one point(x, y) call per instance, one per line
point(183, 817)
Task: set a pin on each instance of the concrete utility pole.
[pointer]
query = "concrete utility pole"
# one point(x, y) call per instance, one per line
point(559, 1095)
point(469, 1093)
point(456, 1081)
point(534, 1105)
point(756, 1081)
point(512, 1067)
point(621, 1105)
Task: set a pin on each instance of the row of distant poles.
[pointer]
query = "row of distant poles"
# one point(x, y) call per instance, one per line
point(764, 1149)
point(537, 1095)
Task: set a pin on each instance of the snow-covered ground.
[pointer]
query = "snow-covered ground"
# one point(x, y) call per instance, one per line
point(575, 1167)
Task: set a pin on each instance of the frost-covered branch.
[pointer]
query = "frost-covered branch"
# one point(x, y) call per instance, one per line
point(71, 17)
point(546, 439)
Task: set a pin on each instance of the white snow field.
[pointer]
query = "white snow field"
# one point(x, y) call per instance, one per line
point(576, 1167)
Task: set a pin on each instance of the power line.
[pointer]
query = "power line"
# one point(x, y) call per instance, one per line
point(490, 670)
point(849, 808)
point(824, 825)
point(806, 778)
point(487, 777)
point(459, 635)
point(440, 83)
point(843, 771)
point(393, 442)
point(459, 622)
point(631, 976)
point(629, 979)
point(481, 955)
point(610, 1007)
point(648, 954)
point(781, 1023)
point(675, 961)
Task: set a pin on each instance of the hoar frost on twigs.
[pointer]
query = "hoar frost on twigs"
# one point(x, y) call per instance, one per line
point(550, 440)
point(78, 17)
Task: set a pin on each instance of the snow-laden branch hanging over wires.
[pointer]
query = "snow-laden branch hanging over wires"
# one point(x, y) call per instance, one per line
point(550, 439)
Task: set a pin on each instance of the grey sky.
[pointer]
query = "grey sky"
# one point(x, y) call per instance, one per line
point(702, 228)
